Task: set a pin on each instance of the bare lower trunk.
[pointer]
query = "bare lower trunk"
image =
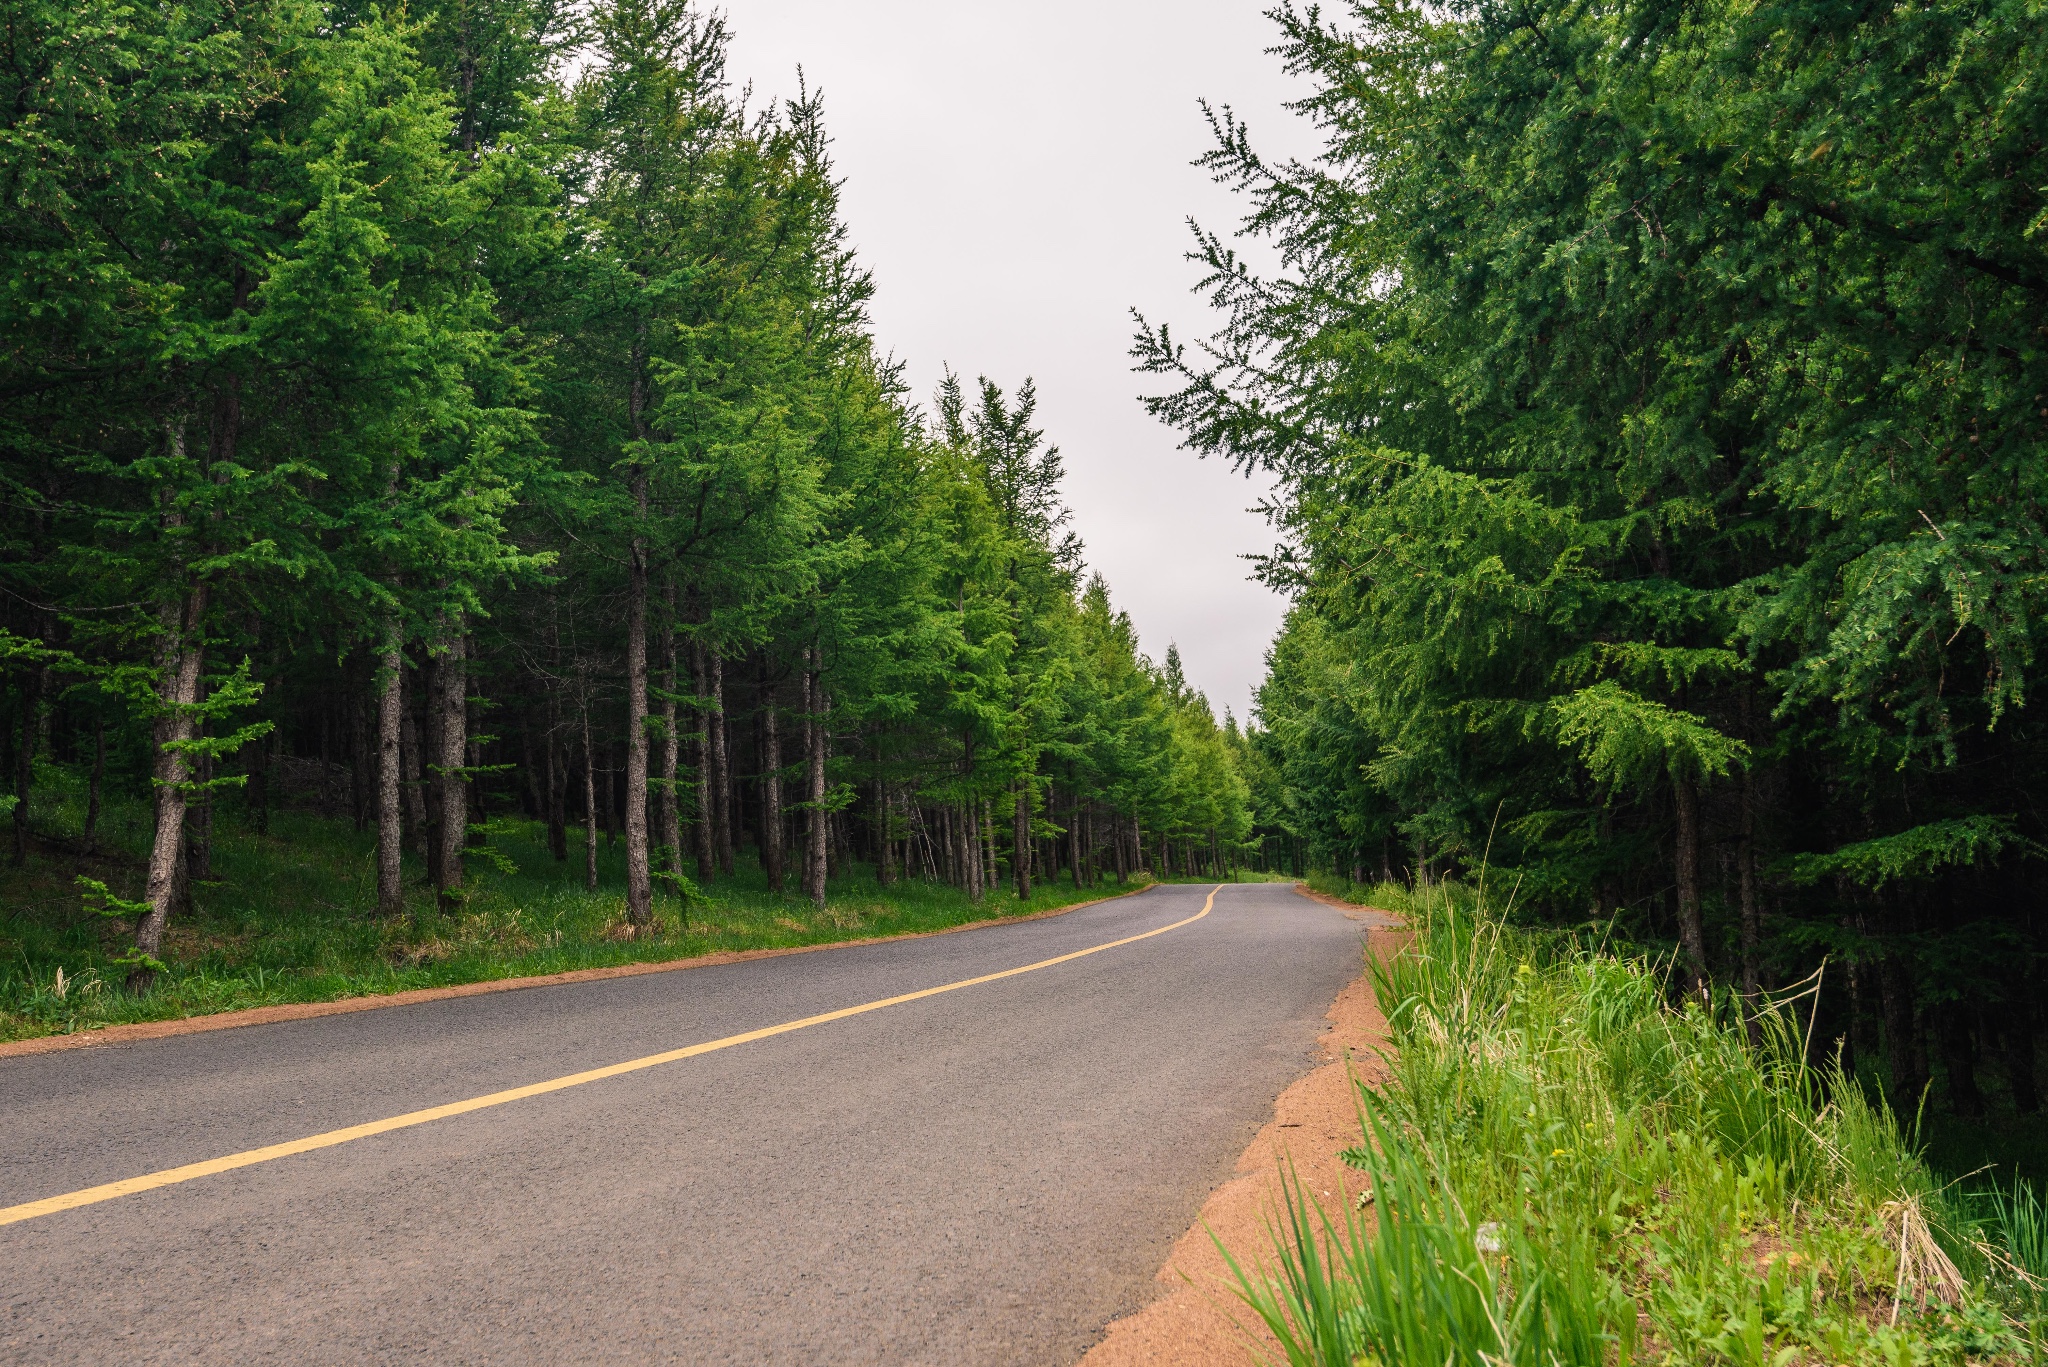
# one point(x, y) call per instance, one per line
point(639, 881)
point(970, 852)
point(390, 830)
point(815, 832)
point(199, 813)
point(666, 814)
point(706, 858)
point(589, 807)
point(1959, 1059)
point(96, 783)
point(771, 788)
point(415, 794)
point(1692, 936)
point(1901, 1042)
point(1020, 839)
point(451, 725)
point(1074, 844)
point(721, 768)
point(177, 691)
point(1746, 900)
point(558, 792)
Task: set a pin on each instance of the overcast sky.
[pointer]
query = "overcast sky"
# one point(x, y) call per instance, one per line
point(1017, 178)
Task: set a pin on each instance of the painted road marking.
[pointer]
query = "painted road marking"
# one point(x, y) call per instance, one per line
point(50, 1205)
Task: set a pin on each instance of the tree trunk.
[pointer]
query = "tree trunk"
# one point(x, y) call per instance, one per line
point(177, 691)
point(1692, 936)
point(771, 786)
point(721, 768)
point(415, 791)
point(1020, 839)
point(390, 831)
point(671, 832)
point(2016, 1041)
point(1751, 913)
point(815, 832)
point(1959, 1061)
point(589, 807)
point(639, 879)
point(558, 789)
point(701, 746)
point(199, 814)
point(24, 762)
point(451, 725)
point(96, 784)
point(434, 783)
point(1902, 1055)
point(1074, 845)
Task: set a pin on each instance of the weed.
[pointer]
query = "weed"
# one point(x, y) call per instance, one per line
point(1568, 1168)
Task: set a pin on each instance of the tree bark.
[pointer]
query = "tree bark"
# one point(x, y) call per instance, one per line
point(1020, 840)
point(1959, 1061)
point(671, 830)
point(639, 880)
point(2016, 1040)
point(816, 704)
point(414, 792)
point(451, 678)
point(177, 691)
point(589, 807)
point(1692, 936)
point(1751, 913)
point(558, 788)
point(721, 768)
point(96, 784)
point(390, 719)
point(431, 799)
point(701, 746)
point(1902, 1054)
point(771, 786)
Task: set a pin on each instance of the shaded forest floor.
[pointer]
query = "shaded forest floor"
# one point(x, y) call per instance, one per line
point(290, 916)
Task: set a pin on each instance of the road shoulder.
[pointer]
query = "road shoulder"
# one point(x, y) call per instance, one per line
point(269, 1015)
point(1198, 1320)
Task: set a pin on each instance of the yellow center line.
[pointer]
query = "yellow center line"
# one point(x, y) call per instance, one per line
point(128, 1186)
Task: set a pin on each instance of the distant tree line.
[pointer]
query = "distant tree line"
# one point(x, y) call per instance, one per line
point(374, 394)
point(1658, 396)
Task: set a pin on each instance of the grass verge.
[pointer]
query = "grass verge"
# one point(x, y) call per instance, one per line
point(1565, 1170)
point(291, 917)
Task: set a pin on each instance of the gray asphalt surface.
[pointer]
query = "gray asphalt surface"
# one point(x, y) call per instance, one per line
point(986, 1176)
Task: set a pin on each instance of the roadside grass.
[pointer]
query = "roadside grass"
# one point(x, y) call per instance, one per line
point(1566, 1170)
point(291, 917)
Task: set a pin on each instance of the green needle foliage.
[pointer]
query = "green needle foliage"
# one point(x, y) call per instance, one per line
point(1658, 403)
point(464, 420)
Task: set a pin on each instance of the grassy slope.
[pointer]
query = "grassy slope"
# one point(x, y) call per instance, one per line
point(1568, 1170)
point(291, 918)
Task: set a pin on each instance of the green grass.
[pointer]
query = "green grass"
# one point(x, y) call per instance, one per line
point(291, 917)
point(1566, 1169)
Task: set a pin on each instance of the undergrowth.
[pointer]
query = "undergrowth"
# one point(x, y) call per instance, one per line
point(1567, 1170)
point(290, 916)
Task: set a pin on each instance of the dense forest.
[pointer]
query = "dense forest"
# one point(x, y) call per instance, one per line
point(468, 415)
point(1657, 396)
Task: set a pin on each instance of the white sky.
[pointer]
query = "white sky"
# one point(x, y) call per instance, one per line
point(1017, 178)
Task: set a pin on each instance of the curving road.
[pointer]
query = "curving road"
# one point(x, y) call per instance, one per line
point(986, 1175)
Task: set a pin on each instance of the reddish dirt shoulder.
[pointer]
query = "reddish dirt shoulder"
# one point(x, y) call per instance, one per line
point(267, 1015)
point(1198, 1321)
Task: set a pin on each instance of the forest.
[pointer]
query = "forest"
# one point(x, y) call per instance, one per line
point(1657, 401)
point(463, 423)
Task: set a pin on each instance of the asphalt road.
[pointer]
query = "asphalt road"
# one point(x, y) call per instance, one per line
point(985, 1176)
